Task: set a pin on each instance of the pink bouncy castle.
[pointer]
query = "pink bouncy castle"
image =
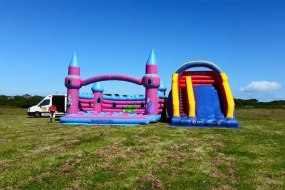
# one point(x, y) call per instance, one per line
point(99, 108)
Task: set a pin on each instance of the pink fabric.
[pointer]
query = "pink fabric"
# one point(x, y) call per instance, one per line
point(94, 116)
point(72, 96)
point(125, 102)
point(151, 99)
point(112, 77)
point(97, 106)
point(151, 69)
point(74, 70)
point(120, 110)
point(87, 109)
point(87, 105)
point(120, 106)
point(86, 100)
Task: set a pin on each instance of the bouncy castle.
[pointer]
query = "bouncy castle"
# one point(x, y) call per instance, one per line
point(113, 109)
point(201, 97)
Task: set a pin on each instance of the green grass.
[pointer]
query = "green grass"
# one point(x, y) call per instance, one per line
point(37, 155)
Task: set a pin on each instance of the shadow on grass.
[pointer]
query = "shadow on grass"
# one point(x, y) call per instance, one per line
point(31, 117)
point(164, 120)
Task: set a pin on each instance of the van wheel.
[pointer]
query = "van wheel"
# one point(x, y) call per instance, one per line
point(37, 114)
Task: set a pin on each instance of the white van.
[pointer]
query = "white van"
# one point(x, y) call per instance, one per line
point(41, 109)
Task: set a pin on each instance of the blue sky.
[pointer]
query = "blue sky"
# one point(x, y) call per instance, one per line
point(244, 37)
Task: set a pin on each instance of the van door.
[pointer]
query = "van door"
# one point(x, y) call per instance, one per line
point(59, 102)
point(44, 106)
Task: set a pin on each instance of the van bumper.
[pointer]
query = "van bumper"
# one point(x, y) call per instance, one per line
point(31, 113)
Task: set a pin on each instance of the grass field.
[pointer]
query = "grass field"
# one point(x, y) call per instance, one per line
point(37, 155)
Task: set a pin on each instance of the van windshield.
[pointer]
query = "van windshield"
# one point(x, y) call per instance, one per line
point(45, 102)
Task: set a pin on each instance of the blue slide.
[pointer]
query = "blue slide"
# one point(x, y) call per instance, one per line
point(208, 107)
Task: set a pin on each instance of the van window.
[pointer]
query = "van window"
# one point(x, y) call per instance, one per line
point(45, 102)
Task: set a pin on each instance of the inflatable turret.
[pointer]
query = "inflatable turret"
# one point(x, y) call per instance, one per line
point(97, 90)
point(151, 82)
point(73, 84)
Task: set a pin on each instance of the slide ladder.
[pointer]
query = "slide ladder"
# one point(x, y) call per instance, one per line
point(182, 102)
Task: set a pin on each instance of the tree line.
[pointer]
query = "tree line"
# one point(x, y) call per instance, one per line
point(26, 101)
point(254, 103)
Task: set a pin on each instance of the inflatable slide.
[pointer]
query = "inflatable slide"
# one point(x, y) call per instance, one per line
point(201, 97)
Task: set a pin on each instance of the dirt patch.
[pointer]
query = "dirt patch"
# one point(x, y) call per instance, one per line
point(4, 165)
point(217, 144)
point(52, 150)
point(112, 152)
point(128, 150)
point(40, 177)
point(180, 151)
point(176, 155)
point(107, 166)
point(22, 183)
point(149, 181)
point(154, 139)
point(142, 131)
point(221, 160)
point(223, 187)
point(76, 185)
point(71, 143)
point(139, 149)
point(217, 174)
point(138, 139)
point(146, 140)
point(117, 150)
point(179, 155)
point(69, 166)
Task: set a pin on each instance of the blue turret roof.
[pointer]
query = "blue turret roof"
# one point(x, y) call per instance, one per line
point(151, 59)
point(73, 61)
point(97, 87)
point(162, 87)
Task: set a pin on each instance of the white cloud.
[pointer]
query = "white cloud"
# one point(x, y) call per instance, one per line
point(261, 86)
